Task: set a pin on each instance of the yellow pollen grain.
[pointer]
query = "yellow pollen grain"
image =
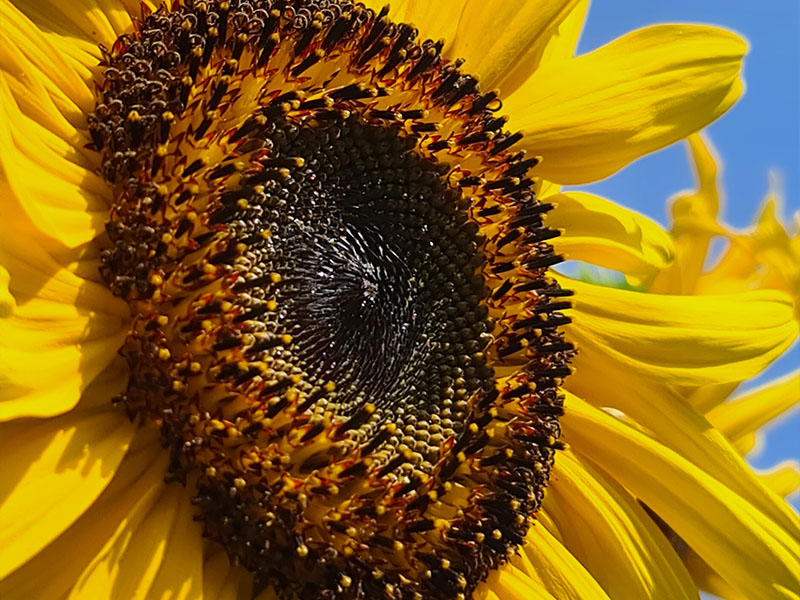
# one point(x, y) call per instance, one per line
point(156, 279)
point(345, 581)
point(162, 150)
point(239, 483)
point(164, 354)
point(166, 238)
point(211, 471)
point(330, 386)
point(302, 550)
point(398, 545)
point(286, 338)
point(162, 320)
point(272, 305)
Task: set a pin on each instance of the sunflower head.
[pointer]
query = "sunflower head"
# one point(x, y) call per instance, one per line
point(336, 263)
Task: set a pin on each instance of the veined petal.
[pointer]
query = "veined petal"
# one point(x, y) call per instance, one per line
point(27, 54)
point(546, 560)
point(510, 583)
point(590, 116)
point(55, 339)
point(677, 339)
point(143, 558)
point(139, 476)
point(752, 553)
point(749, 412)
point(667, 418)
point(502, 43)
point(52, 471)
point(602, 232)
point(611, 535)
point(59, 196)
point(563, 42)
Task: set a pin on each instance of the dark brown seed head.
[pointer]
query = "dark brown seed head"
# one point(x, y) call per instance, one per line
point(336, 264)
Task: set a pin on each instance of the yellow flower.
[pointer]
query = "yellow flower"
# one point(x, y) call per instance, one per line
point(278, 316)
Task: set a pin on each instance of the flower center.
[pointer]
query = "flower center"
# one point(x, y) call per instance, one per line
point(336, 265)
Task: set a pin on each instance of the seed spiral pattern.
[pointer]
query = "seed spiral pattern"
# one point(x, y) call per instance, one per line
point(336, 264)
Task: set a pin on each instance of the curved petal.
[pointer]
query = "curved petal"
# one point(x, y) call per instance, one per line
point(611, 535)
point(590, 116)
point(751, 552)
point(663, 413)
point(694, 221)
point(495, 39)
point(678, 340)
point(603, 233)
point(510, 583)
point(783, 479)
point(546, 560)
point(749, 412)
point(140, 476)
point(155, 548)
point(52, 350)
point(52, 471)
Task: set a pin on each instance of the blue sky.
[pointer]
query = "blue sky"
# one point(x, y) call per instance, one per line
point(759, 134)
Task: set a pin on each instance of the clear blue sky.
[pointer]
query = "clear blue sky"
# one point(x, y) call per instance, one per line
point(761, 132)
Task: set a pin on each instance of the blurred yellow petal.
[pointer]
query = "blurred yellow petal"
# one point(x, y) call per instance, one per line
point(222, 581)
point(749, 412)
point(602, 232)
point(783, 479)
point(68, 459)
point(694, 221)
point(678, 339)
point(752, 553)
point(611, 535)
point(496, 38)
point(590, 116)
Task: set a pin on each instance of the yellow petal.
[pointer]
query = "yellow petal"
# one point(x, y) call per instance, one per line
point(749, 412)
point(56, 340)
point(155, 552)
point(563, 43)
point(660, 410)
point(52, 471)
point(611, 535)
point(784, 479)
point(510, 583)
point(708, 579)
point(222, 581)
point(141, 470)
point(751, 552)
point(694, 221)
point(603, 233)
point(544, 559)
point(592, 115)
point(60, 197)
point(27, 54)
point(435, 20)
point(682, 340)
point(495, 39)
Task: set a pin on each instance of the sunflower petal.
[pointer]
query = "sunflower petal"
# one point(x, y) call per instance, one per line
point(694, 222)
point(222, 581)
point(663, 413)
point(140, 474)
point(677, 339)
point(53, 344)
point(510, 583)
point(545, 559)
point(783, 479)
point(751, 552)
point(749, 412)
point(69, 460)
point(603, 233)
point(592, 115)
point(634, 559)
point(511, 35)
point(155, 552)
point(26, 53)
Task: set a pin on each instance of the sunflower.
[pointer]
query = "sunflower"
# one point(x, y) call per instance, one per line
point(280, 319)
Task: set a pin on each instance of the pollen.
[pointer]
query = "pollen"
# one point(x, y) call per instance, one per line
point(344, 329)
